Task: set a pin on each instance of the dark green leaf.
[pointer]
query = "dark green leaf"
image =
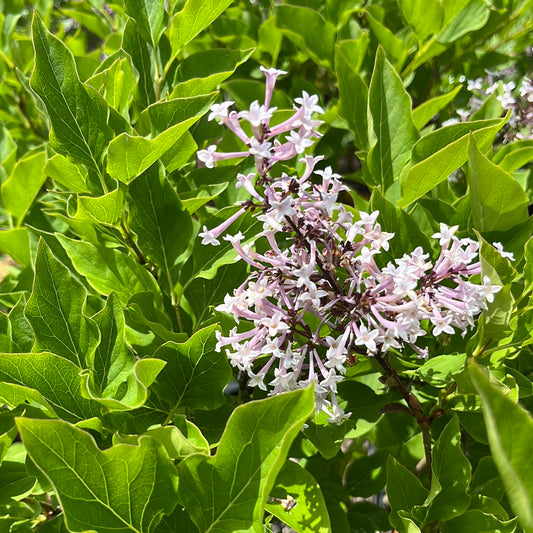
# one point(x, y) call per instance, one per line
point(195, 16)
point(163, 229)
point(389, 105)
point(309, 514)
point(123, 489)
point(309, 30)
point(404, 491)
point(57, 381)
point(78, 114)
point(442, 152)
point(150, 18)
point(108, 270)
point(55, 311)
point(498, 200)
point(510, 432)
point(228, 492)
point(195, 375)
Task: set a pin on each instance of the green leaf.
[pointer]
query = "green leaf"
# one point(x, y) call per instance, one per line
point(473, 17)
point(117, 380)
point(202, 72)
point(228, 492)
point(115, 84)
point(66, 174)
point(122, 489)
point(393, 45)
point(55, 311)
point(510, 432)
point(141, 54)
point(57, 381)
point(424, 16)
point(150, 18)
point(439, 371)
point(203, 294)
point(24, 183)
point(106, 209)
point(195, 375)
point(78, 113)
point(353, 94)
point(480, 522)
point(498, 200)
point(155, 215)
point(16, 243)
point(108, 270)
point(428, 109)
point(309, 30)
point(404, 491)
point(389, 105)
point(131, 155)
point(309, 514)
point(195, 16)
point(451, 473)
point(179, 441)
point(15, 483)
point(440, 153)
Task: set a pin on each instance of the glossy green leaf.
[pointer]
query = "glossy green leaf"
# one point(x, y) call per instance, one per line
point(451, 475)
point(439, 371)
point(115, 84)
point(179, 440)
point(131, 155)
point(440, 153)
point(390, 107)
point(472, 17)
point(424, 16)
point(150, 18)
point(66, 174)
point(480, 522)
point(308, 29)
point(195, 16)
point(392, 44)
point(57, 381)
point(404, 491)
point(16, 243)
point(202, 72)
point(24, 183)
point(108, 270)
point(117, 379)
point(309, 514)
point(195, 375)
point(428, 109)
point(105, 209)
point(78, 114)
point(141, 54)
point(122, 489)
point(498, 200)
point(228, 492)
point(155, 215)
point(353, 94)
point(55, 311)
point(510, 432)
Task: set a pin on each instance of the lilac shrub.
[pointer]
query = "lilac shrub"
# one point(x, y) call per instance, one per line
point(318, 296)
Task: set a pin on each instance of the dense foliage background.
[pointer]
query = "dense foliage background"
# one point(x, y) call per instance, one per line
point(115, 413)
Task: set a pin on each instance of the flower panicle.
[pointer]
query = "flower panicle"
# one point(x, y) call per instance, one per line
point(321, 296)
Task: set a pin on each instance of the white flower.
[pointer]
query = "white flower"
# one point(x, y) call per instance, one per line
point(208, 237)
point(445, 234)
point(206, 156)
point(500, 250)
point(220, 111)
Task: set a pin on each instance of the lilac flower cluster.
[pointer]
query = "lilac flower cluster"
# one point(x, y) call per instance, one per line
point(517, 100)
point(317, 297)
